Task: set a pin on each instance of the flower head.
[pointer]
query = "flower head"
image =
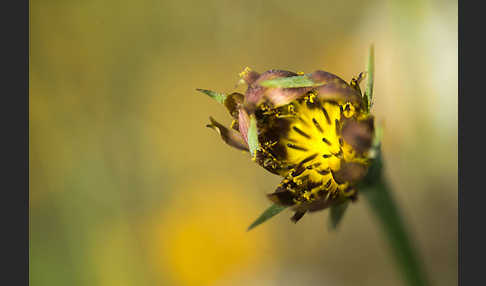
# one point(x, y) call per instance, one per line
point(314, 130)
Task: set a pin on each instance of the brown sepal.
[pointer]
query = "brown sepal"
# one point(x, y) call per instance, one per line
point(230, 136)
point(359, 134)
point(233, 103)
point(255, 93)
point(350, 172)
point(243, 124)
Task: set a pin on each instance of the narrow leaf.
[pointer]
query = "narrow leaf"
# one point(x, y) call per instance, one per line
point(378, 135)
point(252, 136)
point(370, 69)
point(266, 215)
point(290, 82)
point(219, 97)
point(336, 215)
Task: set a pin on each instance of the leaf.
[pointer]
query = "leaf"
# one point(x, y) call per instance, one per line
point(219, 97)
point(290, 82)
point(336, 215)
point(266, 215)
point(370, 70)
point(252, 136)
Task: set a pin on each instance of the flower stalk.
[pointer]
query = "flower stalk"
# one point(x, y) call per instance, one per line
point(378, 194)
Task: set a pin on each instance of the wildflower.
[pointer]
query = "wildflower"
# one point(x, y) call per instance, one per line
point(314, 130)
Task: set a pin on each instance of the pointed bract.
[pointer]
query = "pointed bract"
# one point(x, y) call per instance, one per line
point(266, 215)
point(219, 97)
point(253, 136)
point(230, 136)
point(290, 82)
point(336, 214)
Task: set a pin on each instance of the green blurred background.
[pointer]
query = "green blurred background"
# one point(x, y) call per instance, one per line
point(128, 187)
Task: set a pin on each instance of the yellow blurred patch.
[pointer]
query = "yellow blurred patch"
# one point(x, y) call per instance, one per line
point(201, 236)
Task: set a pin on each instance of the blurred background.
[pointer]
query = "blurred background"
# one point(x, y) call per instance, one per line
point(128, 187)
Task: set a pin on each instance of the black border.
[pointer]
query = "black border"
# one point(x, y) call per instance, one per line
point(14, 212)
point(471, 145)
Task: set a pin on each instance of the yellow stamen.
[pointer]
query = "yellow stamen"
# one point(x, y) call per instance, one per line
point(313, 144)
point(245, 72)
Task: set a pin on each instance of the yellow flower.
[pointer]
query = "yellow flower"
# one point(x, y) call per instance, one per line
point(314, 130)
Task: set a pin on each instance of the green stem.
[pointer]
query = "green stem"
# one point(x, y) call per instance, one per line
point(383, 205)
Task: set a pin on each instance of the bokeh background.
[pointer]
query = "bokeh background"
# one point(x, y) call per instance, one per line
point(128, 187)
